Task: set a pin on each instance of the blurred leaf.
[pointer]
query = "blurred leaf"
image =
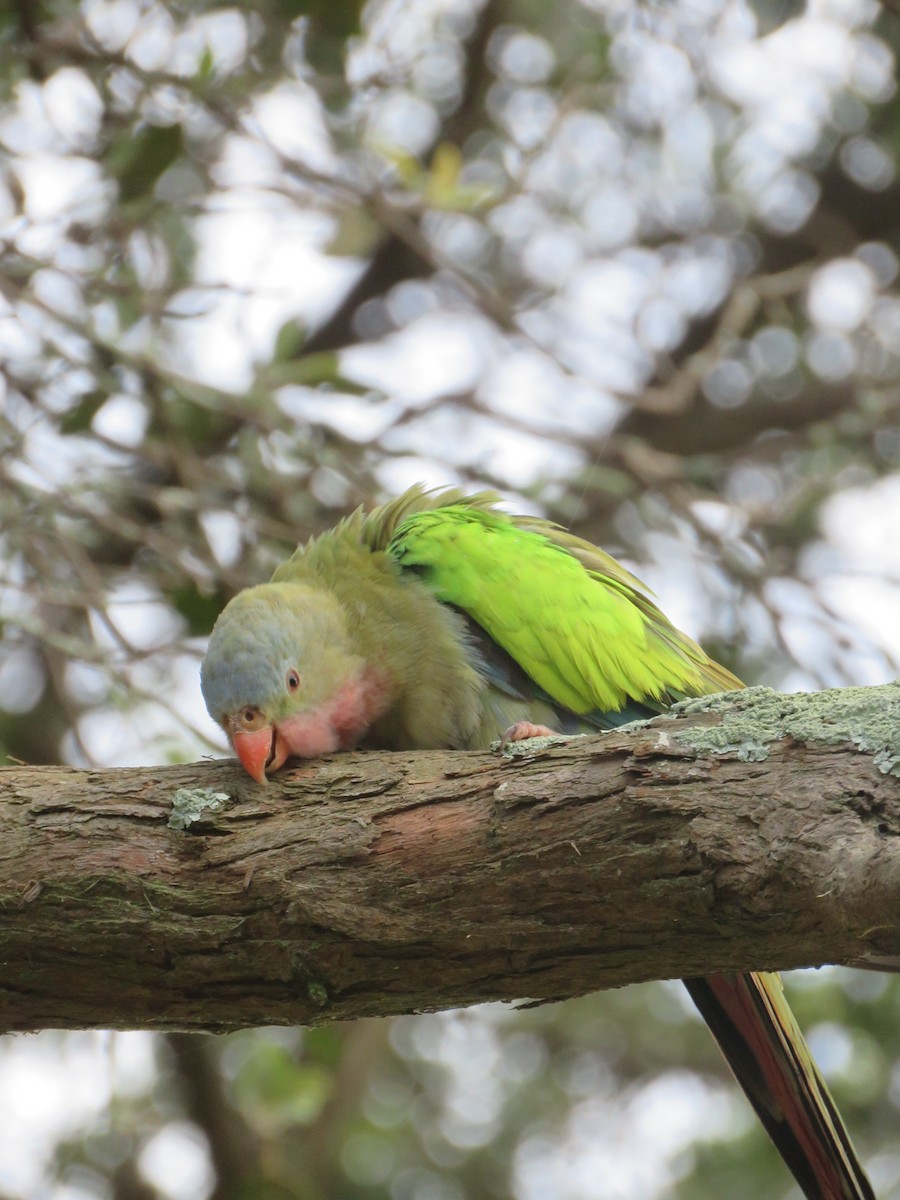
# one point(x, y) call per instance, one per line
point(444, 188)
point(325, 1044)
point(138, 160)
point(312, 370)
point(199, 609)
point(79, 418)
point(205, 66)
point(290, 340)
point(331, 24)
point(440, 185)
point(281, 1090)
point(446, 164)
point(408, 168)
point(197, 424)
point(772, 14)
point(355, 234)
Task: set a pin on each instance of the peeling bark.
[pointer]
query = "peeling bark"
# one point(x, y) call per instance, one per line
point(751, 831)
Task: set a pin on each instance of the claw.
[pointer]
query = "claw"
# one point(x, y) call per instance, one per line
point(522, 730)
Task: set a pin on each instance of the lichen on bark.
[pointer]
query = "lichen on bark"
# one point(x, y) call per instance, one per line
point(753, 719)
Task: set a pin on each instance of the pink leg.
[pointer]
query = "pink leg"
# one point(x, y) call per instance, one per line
point(523, 730)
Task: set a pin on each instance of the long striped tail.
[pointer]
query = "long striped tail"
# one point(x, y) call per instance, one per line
point(758, 1034)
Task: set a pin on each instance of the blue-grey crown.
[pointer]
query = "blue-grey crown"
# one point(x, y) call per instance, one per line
point(242, 669)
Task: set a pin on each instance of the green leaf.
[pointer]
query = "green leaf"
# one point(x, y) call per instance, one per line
point(355, 234)
point(311, 370)
point(324, 1045)
point(199, 609)
point(331, 24)
point(79, 418)
point(138, 160)
point(772, 14)
point(290, 340)
point(205, 66)
point(280, 1089)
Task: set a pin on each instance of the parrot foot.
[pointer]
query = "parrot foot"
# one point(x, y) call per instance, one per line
point(523, 730)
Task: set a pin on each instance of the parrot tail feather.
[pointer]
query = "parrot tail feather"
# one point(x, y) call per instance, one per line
point(762, 1043)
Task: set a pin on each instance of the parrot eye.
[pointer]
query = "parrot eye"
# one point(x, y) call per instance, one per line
point(249, 719)
point(292, 679)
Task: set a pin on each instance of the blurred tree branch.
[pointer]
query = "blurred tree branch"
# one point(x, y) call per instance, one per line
point(233, 1147)
point(749, 831)
point(395, 259)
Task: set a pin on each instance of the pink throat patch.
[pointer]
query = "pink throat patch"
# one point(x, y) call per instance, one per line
point(337, 725)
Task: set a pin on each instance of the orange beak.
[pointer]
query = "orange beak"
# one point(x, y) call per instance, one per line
point(260, 750)
point(254, 750)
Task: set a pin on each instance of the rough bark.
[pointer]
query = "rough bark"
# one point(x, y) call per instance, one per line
point(750, 831)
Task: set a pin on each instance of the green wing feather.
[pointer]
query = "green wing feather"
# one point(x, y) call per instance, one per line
point(576, 621)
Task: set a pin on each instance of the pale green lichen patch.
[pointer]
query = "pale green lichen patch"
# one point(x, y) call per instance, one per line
point(751, 720)
point(189, 805)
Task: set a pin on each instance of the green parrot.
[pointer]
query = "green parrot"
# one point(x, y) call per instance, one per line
point(439, 621)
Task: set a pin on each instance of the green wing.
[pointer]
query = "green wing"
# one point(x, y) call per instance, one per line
point(577, 622)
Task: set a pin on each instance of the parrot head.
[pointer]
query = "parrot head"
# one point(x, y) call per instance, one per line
point(282, 679)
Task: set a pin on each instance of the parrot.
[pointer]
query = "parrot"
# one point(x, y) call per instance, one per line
point(440, 621)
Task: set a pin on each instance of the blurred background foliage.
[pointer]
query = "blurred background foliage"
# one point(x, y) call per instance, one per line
point(634, 265)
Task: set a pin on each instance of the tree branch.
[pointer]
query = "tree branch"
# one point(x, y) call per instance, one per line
point(749, 831)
